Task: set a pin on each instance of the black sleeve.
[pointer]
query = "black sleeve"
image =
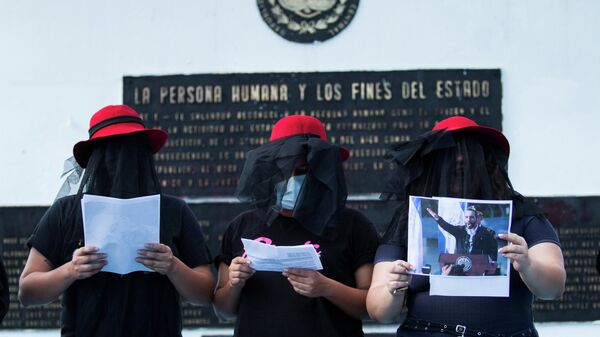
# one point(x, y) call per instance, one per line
point(229, 236)
point(538, 230)
point(364, 240)
point(4, 294)
point(192, 248)
point(453, 230)
point(389, 253)
point(48, 235)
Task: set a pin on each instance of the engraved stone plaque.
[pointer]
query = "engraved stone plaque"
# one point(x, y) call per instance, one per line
point(214, 119)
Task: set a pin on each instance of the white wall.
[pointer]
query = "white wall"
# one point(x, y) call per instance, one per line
point(60, 61)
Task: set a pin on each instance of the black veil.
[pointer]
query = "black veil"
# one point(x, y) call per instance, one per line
point(448, 164)
point(323, 193)
point(121, 167)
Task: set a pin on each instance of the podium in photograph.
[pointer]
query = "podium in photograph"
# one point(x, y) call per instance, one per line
point(468, 264)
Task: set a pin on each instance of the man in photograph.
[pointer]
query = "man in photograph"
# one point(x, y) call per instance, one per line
point(472, 237)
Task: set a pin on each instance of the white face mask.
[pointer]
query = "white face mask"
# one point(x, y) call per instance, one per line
point(292, 190)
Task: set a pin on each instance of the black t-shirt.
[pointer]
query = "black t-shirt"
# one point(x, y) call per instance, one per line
point(4, 294)
point(269, 306)
point(108, 304)
point(491, 314)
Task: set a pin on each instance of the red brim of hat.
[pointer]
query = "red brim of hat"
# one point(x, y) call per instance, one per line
point(83, 149)
point(492, 134)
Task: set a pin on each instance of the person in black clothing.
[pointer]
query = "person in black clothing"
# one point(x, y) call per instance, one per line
point(4, 293)
point(462, 159)
point(472, 238)
point(118, 162)
point(297, 188)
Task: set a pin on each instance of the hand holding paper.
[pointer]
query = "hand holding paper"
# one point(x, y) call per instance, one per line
point(309, 283)
point(517, 251)
point(239, 272)
point(86, 262)
point(157, 257)
point(398, 277)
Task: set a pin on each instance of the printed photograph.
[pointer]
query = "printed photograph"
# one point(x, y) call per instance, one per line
point(458, 237)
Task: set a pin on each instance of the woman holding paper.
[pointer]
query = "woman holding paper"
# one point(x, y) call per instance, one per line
point(296, 185)
point(462, 159)
point(119, 164)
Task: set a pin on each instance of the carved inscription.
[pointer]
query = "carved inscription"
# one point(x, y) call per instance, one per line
point(213, 120)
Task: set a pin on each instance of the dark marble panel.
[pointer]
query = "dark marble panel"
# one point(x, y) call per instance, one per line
point(577, 220)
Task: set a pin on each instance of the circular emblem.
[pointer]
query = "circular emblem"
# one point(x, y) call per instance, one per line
point(307, 21)
point(466, 263)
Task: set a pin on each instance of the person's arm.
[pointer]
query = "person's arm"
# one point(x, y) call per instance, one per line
point(388, 290)
point(541, 267)
point(193, 284)
point(41, 282)
point(232, 279)
point(453, 230)
point(350, 300)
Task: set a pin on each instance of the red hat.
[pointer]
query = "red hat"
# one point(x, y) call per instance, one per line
point(113, 120)
point(459, 123)
point(301, 125)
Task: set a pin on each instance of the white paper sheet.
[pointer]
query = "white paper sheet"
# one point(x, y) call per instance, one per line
point(119, 227)
point(484, 286)
point(428, 243)
point(265, 257)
